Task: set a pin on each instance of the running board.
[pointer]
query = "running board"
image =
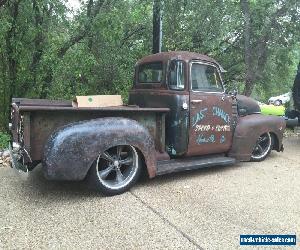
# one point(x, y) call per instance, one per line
point(176, 165)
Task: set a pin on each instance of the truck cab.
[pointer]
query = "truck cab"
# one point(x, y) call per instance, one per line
point(203, 117)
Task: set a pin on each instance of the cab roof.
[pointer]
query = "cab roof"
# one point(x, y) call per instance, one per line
point(182, 55)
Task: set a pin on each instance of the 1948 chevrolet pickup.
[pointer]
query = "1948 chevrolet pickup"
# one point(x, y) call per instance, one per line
point(179, 117)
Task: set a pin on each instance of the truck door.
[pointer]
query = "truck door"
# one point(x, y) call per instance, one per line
point(211, 122)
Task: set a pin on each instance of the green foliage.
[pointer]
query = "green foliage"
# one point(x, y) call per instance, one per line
point(47, 52)
point(4, 139)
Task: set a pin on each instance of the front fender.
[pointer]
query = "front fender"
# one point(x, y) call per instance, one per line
point(248, 130)
point(71, 150)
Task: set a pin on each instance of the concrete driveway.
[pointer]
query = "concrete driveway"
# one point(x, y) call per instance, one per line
point(202, 209)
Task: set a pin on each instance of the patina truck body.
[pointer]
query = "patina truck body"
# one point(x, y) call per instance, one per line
point(178, 117)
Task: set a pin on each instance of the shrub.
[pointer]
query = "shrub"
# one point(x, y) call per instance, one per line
point(4, 139)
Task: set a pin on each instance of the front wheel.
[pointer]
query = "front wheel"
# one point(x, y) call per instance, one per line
point(262, 147)
point(115, 170)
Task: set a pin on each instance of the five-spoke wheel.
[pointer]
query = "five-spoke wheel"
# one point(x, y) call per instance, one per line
point(262, 147)
point(116, 170)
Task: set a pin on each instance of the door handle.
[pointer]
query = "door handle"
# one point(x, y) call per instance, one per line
point(196, 101)
point(185, 106)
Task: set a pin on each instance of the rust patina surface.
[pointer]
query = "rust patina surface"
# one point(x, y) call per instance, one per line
point(71, 150)
point(40, 122)
point(248, 130)
point(181, 55)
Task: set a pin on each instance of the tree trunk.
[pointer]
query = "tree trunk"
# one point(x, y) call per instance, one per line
point(11, 47)
point(249, 86)
point(250, 74)
point(46, 83)
point(11, 55)
point(93, 9)
point(5, 99)
point(157, 26)
point(39, 41)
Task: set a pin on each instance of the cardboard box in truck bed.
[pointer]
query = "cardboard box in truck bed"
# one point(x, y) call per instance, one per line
point(95, 101)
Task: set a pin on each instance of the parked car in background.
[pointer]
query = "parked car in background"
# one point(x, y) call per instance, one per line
point(281, 99)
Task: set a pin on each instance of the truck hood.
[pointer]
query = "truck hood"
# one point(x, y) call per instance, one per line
point(247, 106)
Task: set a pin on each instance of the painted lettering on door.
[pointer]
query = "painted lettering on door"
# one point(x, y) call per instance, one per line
point(217, 111)
point(199, 117)
point(212, 137)
point(202, 128)
point(217, 128)
point(201, 139)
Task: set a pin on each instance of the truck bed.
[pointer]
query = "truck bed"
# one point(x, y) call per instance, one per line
point(26, 104)
point(40, 118)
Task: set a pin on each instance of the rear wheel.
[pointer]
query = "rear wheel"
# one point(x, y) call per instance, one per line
point(262, 147)
point(278, 103)
point(115, 170)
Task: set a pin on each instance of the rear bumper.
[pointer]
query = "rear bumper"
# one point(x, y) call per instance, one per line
point(15, 162)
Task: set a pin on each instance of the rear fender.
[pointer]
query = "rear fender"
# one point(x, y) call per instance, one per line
point(248, 130)
point(72, 149)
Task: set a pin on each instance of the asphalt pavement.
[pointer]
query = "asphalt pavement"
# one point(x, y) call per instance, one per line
point(201, 209)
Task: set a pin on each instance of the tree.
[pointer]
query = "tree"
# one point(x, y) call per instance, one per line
point(249, 38)
point(265, 26)
point(2, 3)
point(46, 53)
point(157, 26)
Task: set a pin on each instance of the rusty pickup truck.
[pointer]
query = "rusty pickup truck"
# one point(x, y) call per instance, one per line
point(179, 117)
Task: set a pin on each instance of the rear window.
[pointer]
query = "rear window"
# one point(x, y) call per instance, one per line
point(150, 73)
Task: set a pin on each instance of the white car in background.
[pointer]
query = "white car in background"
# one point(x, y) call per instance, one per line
point(281, 99)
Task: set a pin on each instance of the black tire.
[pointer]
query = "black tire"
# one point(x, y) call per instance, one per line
point(263, 147)
point(115, 171)
point(278, 103)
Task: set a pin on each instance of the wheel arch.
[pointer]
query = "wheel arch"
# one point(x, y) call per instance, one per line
point(72, 149)
point(249, 129)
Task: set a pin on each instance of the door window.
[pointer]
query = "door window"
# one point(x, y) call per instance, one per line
point(176, 75)
point(205, 78)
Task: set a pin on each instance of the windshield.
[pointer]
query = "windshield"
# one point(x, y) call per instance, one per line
point(150, 73)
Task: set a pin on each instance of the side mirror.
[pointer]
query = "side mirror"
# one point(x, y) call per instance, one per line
point(233, 93)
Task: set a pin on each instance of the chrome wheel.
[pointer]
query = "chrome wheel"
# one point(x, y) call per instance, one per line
point(117, 167)
point(262, 147)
